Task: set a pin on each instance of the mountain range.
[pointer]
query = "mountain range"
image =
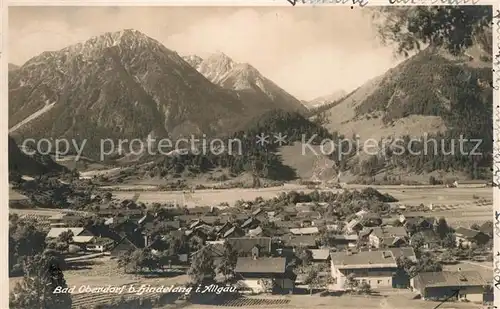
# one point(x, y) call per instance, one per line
point(127, 85)
point(255, 90)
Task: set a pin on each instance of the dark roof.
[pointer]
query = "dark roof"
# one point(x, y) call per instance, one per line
point(302, 240)
point(120, 212)
point(245, 244)
point(200, 210)
point(287, 224)
point(256, 211)
point(487, 227)
point(466, 233)
point(450, 278)
point(124, 244)
point(261, 265)
point(214, 219)
point(309, 214)
point(188, 218)
point(168, 224)
point(233, 230)
point(248, 222)
point(430, 236)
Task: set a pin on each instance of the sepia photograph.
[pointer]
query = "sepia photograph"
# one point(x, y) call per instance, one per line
point(259, 157)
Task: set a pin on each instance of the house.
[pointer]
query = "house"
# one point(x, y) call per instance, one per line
point(120, 212)
point(203, 232)
point(200, 210)
point(418, 220)
point(255, 232)
point(431, 239)
point(320, 255)
point(379, 237)
point(77, 231)
point(223, 228)
point(466, 237)
point(120, 224)
point(145, 219)
point(244, 245)
point(83, 240)
point(250, 223)
point(304, 231)
point(123, 247)
point(57, 220)
point(354, 226)
point(309, 206)
point(344, 241)
point(487, 228)
point(286, 224)
point(308, 215)
point(255, 269)
point(332, 227)
point(443, 285)
point(99, 244)
point(371, 219)
point(214, 220)
point(407, 252)
point(307, 241)
point(286, 214)
point(360, 214)
point(234, 231)
point(258, 213)
point(377, 268)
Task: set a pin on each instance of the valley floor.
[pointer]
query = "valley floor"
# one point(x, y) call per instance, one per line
point(464, 205)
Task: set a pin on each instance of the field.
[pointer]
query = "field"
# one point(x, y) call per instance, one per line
point(464, 205)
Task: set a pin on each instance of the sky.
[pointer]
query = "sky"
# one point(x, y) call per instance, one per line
point(309, 52)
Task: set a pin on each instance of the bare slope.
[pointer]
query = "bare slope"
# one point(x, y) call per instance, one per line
point(428, 93)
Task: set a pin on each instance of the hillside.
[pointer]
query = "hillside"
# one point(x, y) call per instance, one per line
point(117, 85)
point(255, 90)
point(35, 165)
point(254, 159)
point(430, 93)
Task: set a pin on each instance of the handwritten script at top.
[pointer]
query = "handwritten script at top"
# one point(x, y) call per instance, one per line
point(437, 2)
point(361, 3)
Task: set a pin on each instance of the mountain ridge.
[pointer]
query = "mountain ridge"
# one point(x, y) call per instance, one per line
point(253, 88)
point(133, 85)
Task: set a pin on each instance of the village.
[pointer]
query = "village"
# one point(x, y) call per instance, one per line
point(350, 242)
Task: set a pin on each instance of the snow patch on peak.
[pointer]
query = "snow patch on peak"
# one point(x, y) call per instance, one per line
point(193, 60)
point(216, 67)
point(125, 39)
